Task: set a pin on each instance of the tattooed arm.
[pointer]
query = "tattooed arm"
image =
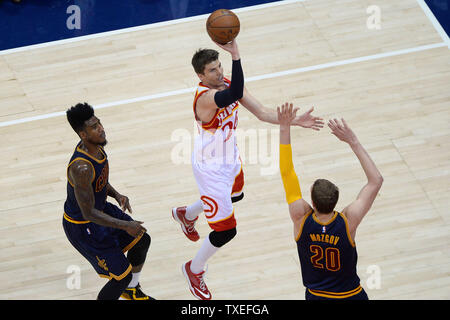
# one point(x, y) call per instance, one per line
point(81, 175)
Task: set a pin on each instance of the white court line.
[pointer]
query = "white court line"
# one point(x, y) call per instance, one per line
point(347, 61)
point(250, 79)
point(143, 27)
point(437, 26)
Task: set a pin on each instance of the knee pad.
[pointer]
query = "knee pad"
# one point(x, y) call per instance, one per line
point(220, 238)
point(237, 198)
point(138, 253)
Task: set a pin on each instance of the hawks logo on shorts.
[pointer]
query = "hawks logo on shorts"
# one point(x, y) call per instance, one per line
point(210, 206)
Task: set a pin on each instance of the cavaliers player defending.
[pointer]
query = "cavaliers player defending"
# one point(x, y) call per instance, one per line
point(101, 232)
point(216, 162)
point(326, 238)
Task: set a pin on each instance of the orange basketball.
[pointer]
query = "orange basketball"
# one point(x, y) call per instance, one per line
point(223, 26)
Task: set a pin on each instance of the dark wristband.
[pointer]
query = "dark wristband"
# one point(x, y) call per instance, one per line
point(236, 89)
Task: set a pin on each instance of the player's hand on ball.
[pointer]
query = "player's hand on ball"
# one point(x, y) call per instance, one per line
point(230, 47)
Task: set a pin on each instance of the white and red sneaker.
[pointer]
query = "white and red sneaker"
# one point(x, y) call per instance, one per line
point(179, 214)
point(196, 282)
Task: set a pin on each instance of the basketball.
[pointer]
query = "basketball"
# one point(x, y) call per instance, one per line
point(223, 26)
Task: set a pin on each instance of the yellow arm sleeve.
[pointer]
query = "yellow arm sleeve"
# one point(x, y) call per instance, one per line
point(290, 180)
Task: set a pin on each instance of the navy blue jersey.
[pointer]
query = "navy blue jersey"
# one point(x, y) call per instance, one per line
point(102, 246)
point(99, 182)
point(328, 257)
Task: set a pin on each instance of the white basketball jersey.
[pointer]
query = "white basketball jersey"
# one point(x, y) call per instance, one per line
point(216, 141)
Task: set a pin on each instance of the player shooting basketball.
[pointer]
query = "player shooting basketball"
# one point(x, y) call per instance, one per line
point(220, 183)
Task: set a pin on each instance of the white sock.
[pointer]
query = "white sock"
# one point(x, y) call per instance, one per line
point(194, 210)
point(206, 251)
point(135, 280)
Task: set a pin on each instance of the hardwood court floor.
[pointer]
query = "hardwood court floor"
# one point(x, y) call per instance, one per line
point(397, 104)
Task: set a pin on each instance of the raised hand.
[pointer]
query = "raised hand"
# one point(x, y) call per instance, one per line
point(286, 114)
point(232, 48)
point(342, 131)
point(307, 120)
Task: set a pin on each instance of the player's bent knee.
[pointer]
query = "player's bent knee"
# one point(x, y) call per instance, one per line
point(138, 253)
point(145, 241)
point(220, 238)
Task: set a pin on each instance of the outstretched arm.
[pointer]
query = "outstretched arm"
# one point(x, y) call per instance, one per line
point(297, 206)
point(306, 120)
point(260, 111)
point(356, 211)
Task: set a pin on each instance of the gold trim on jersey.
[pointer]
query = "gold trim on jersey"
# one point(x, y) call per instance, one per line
point(119, 277)
point(213, 222)
point(132, 243)
point(234, 180)
point(336, 295)
point(68, 218)
point(302, 224)
point(325, 223)
point(91, 156)
point(197, 96)
point(83, 159)
point(223, 224)
point(207, 126)
point(350, 239)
